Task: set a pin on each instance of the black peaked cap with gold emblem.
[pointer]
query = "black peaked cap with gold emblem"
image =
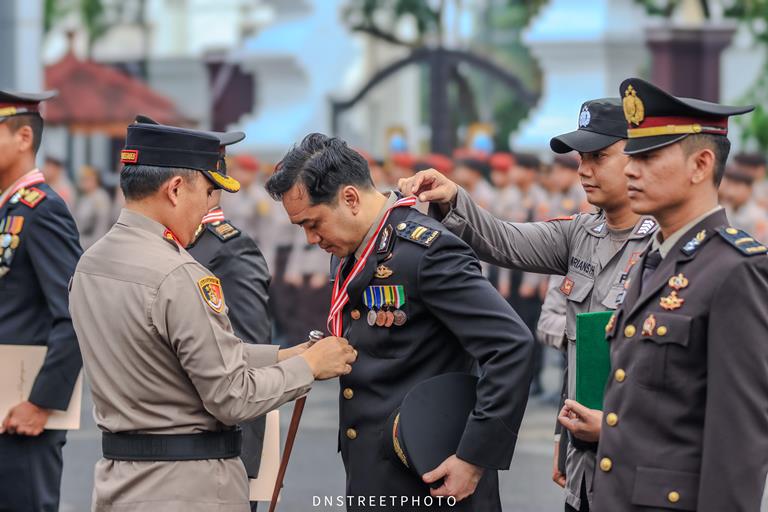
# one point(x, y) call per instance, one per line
point(428, 426)
point(149, 143)
point(656, 118)
point(21, 103)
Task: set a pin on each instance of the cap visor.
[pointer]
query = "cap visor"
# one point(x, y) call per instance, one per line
point(582, 141)
point(643, 144)
point(222, 181)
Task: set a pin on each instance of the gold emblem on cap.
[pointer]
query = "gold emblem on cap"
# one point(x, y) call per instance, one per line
point(634, 110)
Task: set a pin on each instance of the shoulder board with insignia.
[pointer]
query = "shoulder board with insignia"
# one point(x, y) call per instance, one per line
point(224, 230)
point(417, 233)
point(742, 241)
point(31, 196)
point(562, 217)
point(646, 227)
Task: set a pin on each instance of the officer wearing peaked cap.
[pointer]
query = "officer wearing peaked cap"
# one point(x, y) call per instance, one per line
point(685, 424)
point(594, 252)
point(39, 249)
point(170, 379)
point(234, 258)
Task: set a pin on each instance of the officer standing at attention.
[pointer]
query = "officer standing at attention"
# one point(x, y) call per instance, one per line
point(169, 377)
point(686, 426)
point(39, 249)
point(593, 251)
point(411, 299)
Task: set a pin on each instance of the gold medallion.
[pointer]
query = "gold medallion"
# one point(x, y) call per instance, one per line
point(671, 301)
point(678, 282)
point(383, 272)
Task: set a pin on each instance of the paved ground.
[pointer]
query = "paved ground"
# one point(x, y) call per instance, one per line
point(316, 469)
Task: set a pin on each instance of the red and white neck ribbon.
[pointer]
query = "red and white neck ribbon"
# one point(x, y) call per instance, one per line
point(33, 177)
point(340, 296)
point(215, 215)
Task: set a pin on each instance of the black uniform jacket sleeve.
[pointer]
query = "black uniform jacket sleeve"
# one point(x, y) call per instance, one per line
point(54, 250)
point(453, 288)
point(245, 280)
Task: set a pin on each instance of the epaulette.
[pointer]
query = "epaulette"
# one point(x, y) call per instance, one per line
point(223, 230)
point(29, 196)
point(415, 232)
point(742, 241)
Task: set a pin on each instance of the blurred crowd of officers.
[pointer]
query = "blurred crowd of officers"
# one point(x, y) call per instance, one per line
point(516, 187)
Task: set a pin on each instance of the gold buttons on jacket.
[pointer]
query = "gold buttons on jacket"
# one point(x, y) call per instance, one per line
point(355, 313)
point(611, 419)
point(351, 434)
point(630, 331)
point(606, 464)
point(348, 393)
point(619, 375)
point(673, 497)
point(661, 331)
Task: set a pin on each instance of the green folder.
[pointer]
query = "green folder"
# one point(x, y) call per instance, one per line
point(593, 361)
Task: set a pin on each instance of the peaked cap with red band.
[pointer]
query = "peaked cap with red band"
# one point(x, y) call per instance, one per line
point(656, 118)
point(20, 103)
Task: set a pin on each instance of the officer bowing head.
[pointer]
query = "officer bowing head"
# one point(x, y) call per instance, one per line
point(326, 188)
point(411, 298)
point(678, 148)
point(170, 175)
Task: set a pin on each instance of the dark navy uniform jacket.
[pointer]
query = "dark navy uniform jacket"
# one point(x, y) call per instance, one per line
point(34, 301)
point(456, 322)
point(234, 258)
point(685, 423)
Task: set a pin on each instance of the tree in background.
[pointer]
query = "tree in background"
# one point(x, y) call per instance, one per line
point(498, 39)
point(752, 14)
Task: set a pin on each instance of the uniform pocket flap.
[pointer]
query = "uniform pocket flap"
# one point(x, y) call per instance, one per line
point(662, 328)
point(576, 287)
point(664, 488)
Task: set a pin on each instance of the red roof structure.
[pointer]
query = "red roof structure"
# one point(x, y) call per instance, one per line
point(96, 98)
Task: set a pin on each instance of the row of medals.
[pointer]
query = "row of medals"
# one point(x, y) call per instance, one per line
point(387, 316)
point(8, 244)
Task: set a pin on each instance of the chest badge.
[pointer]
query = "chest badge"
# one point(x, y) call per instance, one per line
point(678, 282)
point(649, 325)
point(671, 302)
point(383, 272)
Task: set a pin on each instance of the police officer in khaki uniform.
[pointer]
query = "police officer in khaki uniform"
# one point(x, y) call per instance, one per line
point(169, 377)
point(593, 251)
point(686, 423)
point(736, 193)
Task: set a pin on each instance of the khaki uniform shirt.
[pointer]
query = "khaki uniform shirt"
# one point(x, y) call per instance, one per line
point(579, 248)
point(751, 218)
point(161, 357)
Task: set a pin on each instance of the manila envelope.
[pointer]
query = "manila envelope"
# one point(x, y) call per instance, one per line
point(261, 488)
point(19, 365)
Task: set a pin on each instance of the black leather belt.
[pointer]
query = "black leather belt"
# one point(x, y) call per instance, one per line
point(160, 447)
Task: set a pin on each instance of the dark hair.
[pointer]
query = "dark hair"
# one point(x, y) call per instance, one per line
point(719, 145)
point(566, 161)
point(323, 165)
point(475, 164)
point(53, 160)
point(141, 181)
point(528, 161)
point(34, 121)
